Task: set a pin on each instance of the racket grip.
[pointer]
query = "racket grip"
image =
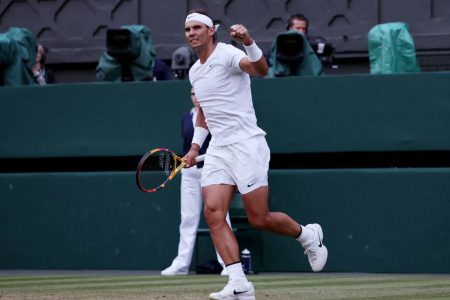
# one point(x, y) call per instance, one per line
point(200, 158)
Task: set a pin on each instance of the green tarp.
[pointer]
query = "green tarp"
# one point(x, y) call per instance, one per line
point(17, 56)
point(110, 69)
point(391, 49)
point(310, 65)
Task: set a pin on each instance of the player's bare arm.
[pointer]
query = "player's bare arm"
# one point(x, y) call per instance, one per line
point(200, 124)
point(200, 121)
point(255, 68)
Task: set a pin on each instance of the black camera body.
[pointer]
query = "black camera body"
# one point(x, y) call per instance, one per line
point(122, 45)
point(292, 55)
point(129, 55)
point(323, 49)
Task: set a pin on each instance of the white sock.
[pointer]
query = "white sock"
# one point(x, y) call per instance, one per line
point(235, 272)
point(306, 236)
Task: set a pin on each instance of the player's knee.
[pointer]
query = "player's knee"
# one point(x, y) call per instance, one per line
point(258, 222)
point(213, 216)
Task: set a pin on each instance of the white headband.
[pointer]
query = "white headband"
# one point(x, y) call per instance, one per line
point(201, 18)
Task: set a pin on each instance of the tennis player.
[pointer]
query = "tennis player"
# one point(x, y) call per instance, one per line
point(238, 155)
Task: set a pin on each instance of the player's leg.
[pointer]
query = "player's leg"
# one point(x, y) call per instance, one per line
point(310, 236)
point(259, 216)
point(255, 198)
point(191, 206)
point(219, 259)
point(217, 199)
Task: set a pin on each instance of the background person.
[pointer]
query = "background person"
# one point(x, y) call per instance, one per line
point(322, 48)
point(191, 200)
point(161, 71)
point(298, 22)
point(40, 72)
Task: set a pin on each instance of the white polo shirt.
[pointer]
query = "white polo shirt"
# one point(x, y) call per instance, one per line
point(224, 93)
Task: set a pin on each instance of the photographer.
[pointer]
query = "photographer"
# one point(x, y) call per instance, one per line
point(41, 73)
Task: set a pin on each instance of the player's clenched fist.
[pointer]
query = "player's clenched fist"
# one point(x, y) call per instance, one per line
point(240, 34)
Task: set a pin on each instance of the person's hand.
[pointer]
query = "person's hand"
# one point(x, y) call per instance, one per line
point(189, 158)
point(240, 34)
point(35, 69)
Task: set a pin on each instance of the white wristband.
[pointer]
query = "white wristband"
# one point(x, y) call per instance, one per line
point(253, 52)
point(200, 135)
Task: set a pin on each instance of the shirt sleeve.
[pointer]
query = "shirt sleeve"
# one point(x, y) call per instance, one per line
point(235, 55)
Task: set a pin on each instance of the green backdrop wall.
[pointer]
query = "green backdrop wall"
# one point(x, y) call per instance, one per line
point(375, 219)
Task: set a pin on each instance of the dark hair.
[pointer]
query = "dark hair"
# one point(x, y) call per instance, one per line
point(199, 11)
point(203, 12)
point(299, 17)
point(44, 53)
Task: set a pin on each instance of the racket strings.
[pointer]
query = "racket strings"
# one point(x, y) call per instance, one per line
point(166, 163)
point(156, 168)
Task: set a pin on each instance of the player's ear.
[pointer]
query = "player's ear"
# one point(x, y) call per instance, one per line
point(211, 31)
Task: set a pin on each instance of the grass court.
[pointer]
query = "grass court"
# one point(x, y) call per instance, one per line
point(141, 285)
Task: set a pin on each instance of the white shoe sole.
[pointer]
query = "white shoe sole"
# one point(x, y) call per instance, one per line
point(238, 297)
point(165, 273)
point(248, 295)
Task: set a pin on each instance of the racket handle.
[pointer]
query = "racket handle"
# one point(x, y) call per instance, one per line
point(200, 158)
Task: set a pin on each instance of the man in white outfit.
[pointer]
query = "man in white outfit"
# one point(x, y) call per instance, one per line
point(190, 201)
point(238, 155)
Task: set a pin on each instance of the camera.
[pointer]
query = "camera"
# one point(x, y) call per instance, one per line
point(122, 45)
point(290, 50)
point(292, 55)
point(182, 59)
point(323, 49)
point(129, 55)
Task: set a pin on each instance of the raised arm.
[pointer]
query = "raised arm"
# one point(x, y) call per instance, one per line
point(255, 64)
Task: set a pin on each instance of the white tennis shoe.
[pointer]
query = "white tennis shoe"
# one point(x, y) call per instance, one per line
point(173, 270)
point(316, 250)
point(235, 290)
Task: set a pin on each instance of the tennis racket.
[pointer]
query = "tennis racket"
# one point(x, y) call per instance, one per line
point(157, 167)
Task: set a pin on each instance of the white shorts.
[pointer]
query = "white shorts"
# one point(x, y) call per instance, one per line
point(244, 164)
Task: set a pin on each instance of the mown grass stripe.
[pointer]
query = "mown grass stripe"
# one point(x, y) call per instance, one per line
point(129, 286)
point(55, 279)
point(147, 281)
point(352, 281)
point(77, 281)
point(114, 284)
point(37, 278)
point(362, 291)
point(339, 284)
point(278, 285)
point(346, 293)
point(106, 277)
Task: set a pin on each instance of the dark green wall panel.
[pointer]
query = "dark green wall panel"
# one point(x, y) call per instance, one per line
point(303, 114)
point(85, 221)
point(91, 119)
point(374, 220)
point(379, 220)
point(355, 113)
